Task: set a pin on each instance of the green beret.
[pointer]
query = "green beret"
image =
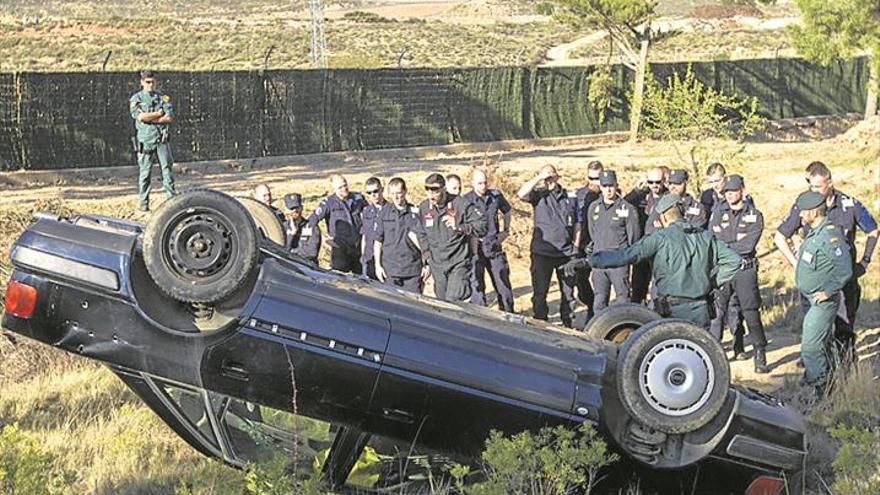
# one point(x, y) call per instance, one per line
point(810, 200)
point(667, 202)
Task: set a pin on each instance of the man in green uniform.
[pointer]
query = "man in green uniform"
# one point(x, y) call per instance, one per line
point(823, 267)
point(684, 258)
point(152, 112)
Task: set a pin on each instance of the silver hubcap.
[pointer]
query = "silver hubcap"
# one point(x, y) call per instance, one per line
point(676, 377)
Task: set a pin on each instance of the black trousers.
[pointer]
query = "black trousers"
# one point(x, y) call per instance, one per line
point(346, 259)
point(411, 284)
point(844, 332)
point(641, 280)
point(499, 272)
point(452, 283)
point(585, 292)
point(604, 279)
point(745, 285)
point(542, 269)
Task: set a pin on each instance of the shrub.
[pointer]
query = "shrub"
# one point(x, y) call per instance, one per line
point(857, 465)
point(554, 461)
point(691, 115)
point(364, 17)
point(544, 8)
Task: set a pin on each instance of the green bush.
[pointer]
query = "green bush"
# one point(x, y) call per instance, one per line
point(364, 17)
point(687, 109)
point(544, 8)
point(699, 121)
point(857, 465)
point(554, 461)
point(24, 467)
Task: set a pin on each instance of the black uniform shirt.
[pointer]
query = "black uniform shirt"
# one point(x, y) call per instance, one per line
point(846, 213)
point(490, 205)
point(740, 230)
point(554, 221)
point(342, 217)
point(643, 199)
point(710, 199)
point(585, 197)
point(369, 216)
point(449, 247)
point(400, 257)
point(305, 242)
point(613, 226)
point(692, 212)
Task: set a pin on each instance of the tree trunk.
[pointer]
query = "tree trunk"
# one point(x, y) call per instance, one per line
point(635, 119)
point(873, 84)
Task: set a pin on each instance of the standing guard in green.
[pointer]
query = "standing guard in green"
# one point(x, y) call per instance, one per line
point(152, 111)
point(823, 267)
point(683, 259)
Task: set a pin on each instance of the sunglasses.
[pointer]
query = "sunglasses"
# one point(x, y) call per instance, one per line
point(374, 191)
point(593, 177)
point(433, 188)
point(655, 182)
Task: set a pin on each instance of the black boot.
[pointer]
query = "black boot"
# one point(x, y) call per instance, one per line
point(761, 361)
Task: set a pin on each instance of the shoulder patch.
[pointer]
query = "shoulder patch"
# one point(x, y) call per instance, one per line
point(572, 195)
point(495, 192)
point(838, 252)
point(847, 202)
point(166, 98)
point(134, 103)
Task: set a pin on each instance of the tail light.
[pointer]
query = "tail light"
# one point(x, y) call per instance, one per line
point(766, 485)
point(21, 299)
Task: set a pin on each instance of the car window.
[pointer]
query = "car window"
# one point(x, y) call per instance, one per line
point(260, 434)
point(191, 405)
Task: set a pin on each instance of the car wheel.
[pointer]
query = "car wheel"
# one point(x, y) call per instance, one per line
point(267, 221)
point(200, 246)
point(672, 376)
point(616, 323)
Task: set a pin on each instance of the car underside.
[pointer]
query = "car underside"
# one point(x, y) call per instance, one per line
point(248, 352)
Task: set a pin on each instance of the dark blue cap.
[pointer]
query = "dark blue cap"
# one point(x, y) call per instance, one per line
point(292, 200)
point(678, 176)
point(608, 178)
point(733, 183)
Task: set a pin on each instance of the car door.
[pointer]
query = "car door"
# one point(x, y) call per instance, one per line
point(309, 346)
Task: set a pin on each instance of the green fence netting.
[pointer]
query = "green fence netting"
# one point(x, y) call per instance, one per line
point(62, 120)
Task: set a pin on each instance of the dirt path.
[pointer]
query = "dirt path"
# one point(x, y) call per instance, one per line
point(559, 55)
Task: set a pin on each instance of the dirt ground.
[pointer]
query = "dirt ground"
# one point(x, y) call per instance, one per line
point(773, 172)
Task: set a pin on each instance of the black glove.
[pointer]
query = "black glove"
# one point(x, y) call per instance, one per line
point(858, 270)
point(570, 268)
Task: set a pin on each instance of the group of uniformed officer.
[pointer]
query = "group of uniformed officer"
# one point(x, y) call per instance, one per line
point(699, 256)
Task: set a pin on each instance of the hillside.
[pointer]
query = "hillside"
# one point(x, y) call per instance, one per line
point(201, 35)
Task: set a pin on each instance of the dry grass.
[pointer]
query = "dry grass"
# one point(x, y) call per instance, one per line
point(171, 44)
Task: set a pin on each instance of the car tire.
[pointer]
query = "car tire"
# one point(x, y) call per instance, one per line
point(672, 376)
point(616, 323)
point(201, 246)
point(266, 220)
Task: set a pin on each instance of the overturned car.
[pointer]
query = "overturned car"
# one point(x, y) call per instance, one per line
point(245, 350)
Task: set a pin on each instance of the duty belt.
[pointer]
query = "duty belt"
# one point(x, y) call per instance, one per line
point(673, 300)
point(663, 304)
